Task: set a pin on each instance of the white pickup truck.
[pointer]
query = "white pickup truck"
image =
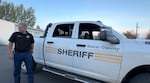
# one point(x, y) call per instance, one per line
point(92, 50)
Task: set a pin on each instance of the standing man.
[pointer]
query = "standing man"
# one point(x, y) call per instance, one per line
point(24, 44)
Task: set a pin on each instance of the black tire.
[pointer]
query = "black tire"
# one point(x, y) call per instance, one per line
point(141, 78)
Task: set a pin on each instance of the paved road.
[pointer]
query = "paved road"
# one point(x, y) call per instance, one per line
point(6, 72)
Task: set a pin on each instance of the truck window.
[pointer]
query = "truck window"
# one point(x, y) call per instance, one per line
point(63, 31)
point(89, 31)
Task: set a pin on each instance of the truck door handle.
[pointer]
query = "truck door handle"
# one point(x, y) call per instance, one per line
point(80, 45)
point(50, 42)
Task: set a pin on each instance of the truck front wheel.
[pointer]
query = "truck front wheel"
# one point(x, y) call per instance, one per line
point(141, 78)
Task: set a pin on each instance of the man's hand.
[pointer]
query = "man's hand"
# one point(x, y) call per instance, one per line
point(10, 55)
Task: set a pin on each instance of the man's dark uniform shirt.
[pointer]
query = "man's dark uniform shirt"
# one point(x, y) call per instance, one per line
point(22, 41)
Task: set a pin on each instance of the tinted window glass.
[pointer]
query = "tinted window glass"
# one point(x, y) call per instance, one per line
point(89, 31)
point(63, 30)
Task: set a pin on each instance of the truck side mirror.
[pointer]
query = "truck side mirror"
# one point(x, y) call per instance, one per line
point(108, 36)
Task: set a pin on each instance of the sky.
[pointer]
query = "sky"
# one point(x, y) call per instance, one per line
point(120, 14)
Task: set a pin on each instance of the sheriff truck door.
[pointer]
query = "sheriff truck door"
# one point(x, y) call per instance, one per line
point(58, 45)
point(96, 58)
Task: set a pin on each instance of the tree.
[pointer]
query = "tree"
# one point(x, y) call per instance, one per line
point(148, 35)
point(29, 16)
point(18, 14)
point(130, 35)
point(6, 10)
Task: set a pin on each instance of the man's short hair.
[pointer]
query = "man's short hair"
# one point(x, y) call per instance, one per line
point(23, 24)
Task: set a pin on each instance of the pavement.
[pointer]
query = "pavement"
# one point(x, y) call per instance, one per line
point(6, 72)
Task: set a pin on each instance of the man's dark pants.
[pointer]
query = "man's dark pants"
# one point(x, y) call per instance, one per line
point(27, 58)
